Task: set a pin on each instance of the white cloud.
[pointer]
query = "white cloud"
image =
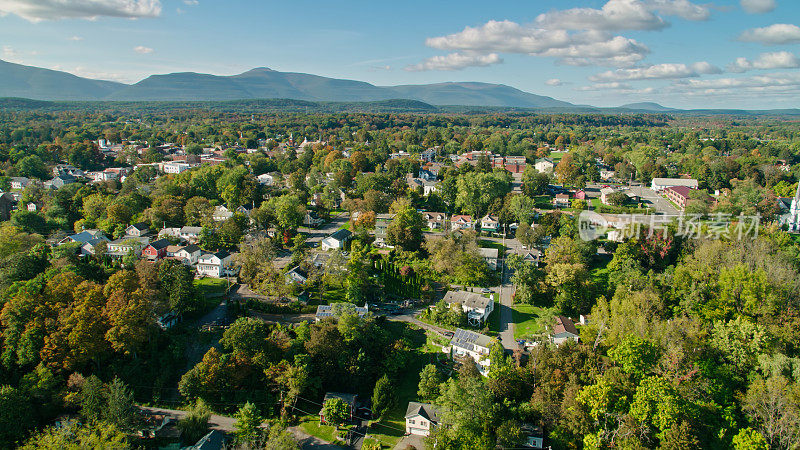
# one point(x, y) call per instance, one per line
point(75, 38)
point(614, 15)
point(758, 6)
point(554, 82)
point(681, 8)
point(583, 48)
point(775, 84)
point(615, 87)
point(455, 61)
point(779, 33)
point(773, 60)
point(191, 2)
point(9, 52)
point(658, 71)
point(38, 10)
point(142, 50)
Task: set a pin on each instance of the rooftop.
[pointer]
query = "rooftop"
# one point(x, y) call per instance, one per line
point(469, 339)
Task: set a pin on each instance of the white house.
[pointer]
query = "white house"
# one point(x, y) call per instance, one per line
point(564, 331)
point(137, 230)
point(490, 223)
point(190, 234)
point(427, 186)
point(659, 184)
point(477, 307)
point(215, 265)
point(124, 245)
point(428, 155)
point(221, 213)
point(19, 182)
point(544, 165)
point(421, 418)
point(490, 255)
point(461, 222)
point(336, 240)
point(189, 254)
point(435, 220)
point(475, 345)
point(606, 174)
point(175, 167)
point(266, 179)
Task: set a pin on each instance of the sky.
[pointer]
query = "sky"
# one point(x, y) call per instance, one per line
point(679, 53)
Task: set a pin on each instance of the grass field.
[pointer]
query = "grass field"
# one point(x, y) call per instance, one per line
point(327, 433)
point(531, 320)
point(208, 285)
point(483, 243)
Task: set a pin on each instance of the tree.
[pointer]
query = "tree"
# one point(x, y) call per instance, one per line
point(636, 355)
point(405, 231)
point(92, 398)
point(526, 235)
point(75, 435)
point(335, 411)
point(523, 208)
point(617, 198)
point(383, 397)
point(195, 425)
point(749, 439)
point(429, 381)
point(247, 424)
point(119, 409)
point(533, 182)
point(773, 404)
point(15, 415)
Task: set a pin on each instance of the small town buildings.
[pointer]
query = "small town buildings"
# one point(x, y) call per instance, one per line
point(60, 181)
point(18, 183)
point(580, 194)
point(659, 184)
point(349, 399)
point(189, 254)
point(312, 219)
point(477, 307)
point(382, 222)
point(296, 275)
point(461, 222)
point(190, 234)
point(67, 169)
point(221, 213)
point(126, 245)
point(678, 195)
point(169, 233)
point(337, 240)
point(544, 165)
point(175, 167)
point(324, 311)
point(428, 155)
point(435, 220)
point(564, 331)
point(88, 240)
point(607, 174)
point(534, 436)
point(155, 250)
point(427, 186)
point(490, 255)
point(266, 179)
point(426, 175)
point(490, 224)
point(138, 230)
point(604, 193)
point(561, 200)
point(515, 164)
point(421, 418)
point(465, 343)
point(533, 255)
point(215, 265)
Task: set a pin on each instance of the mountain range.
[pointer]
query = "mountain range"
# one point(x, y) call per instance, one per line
point(36, 83)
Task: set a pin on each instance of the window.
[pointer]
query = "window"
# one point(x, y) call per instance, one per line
point(411, 422)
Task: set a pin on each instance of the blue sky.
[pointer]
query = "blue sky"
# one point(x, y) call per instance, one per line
point(680, 53)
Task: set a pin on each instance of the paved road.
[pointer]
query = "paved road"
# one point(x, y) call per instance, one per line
point(410, 318)
point(507, 318)
point(651, 199)
point(225, 424)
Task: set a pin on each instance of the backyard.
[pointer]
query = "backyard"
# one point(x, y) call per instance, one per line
point(531, 320)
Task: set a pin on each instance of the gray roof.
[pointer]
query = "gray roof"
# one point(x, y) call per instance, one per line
point(425, 410)
point(469, 339)
point(341, 235)
point(350, 399)
point(488, 252)
point(468, 299)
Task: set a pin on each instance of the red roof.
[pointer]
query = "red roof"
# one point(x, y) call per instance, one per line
point(683, 191)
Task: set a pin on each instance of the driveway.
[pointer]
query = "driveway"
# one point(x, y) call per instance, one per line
point(410, 318)
point(411, 440)
point(653, 200)
point(507, 317)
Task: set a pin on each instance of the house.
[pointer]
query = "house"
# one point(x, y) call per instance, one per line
point(534, 436)
point(155, 250)
point(18, 183)
point(659, 184)
point(336, 240)
point(533, 255)
point(60, 181)
point(169, 232)
point(580, 194)
point(477, 307)
point(296, 275)
point(490, 223)
point(561, 200)
point(312, 219)
point(175, 167)
point(266, 179)
point(67, 169)
point(324, 311)
point(168, 320)
point(137, 230)
point(87, 240)
point(127, 244)
point(190, 234)
point(189, 254)
point(349, 399)
point(427, 186)
point(465, 343)
point(382, 222)
point(221, 213)
point(604, 193)
point(490, 255)
point(7, 203)
point(564, 331)
point(427, 175)
point(215, 265)
point(544, 165)
point(172, 250)
point(421, 418)
point(607, 174)
point(679, 195)
point(428, 155)
point(461, 222)
point(434, 220)
point(515, 164)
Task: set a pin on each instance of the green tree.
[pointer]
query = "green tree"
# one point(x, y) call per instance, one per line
point(15, 415)
point(195, 425)
point(95, 435)
point(384, 397)
point(335, 411)
point(248, 421)
point(119, 409)
point(749, 439)
point(405, 231)
point(429, 381)
point(92, 398)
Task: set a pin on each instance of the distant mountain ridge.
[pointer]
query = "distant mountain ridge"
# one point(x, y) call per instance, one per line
point(17, 80)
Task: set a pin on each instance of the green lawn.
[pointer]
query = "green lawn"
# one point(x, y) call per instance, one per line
point(332, 294)
point(483, 243)
point(530, 320)
point(311, 425)
point(208, 285)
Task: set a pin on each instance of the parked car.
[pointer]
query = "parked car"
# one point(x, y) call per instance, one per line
point(486, 290)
